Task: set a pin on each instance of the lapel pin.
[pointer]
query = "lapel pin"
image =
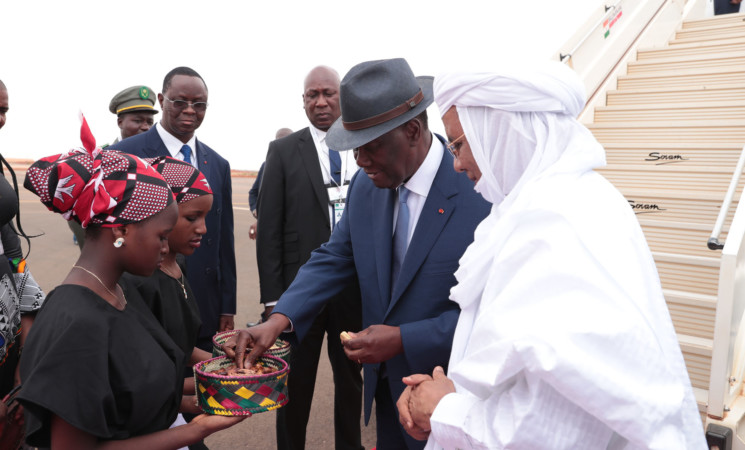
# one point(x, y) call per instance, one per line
point(441, 211)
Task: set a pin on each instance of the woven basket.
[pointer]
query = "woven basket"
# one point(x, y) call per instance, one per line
point(280, 349)
point(242, 395)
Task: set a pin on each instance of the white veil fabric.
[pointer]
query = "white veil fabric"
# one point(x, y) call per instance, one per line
point(564, 338)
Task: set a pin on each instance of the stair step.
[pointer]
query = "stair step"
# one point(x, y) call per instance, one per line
point(697, 357)
point(712, 21)
point(730, 29)
point(725, 132)
point(675, 95)
point(656, 154)
point(692, 207)
point(702, 398)
point(706, 78)
point(696, 345)
point(704, 113)
point(693, 49)
point(686, 242)
point(685, 64)
point(682, 276)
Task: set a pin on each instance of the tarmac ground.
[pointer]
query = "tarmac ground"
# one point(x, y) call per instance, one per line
point(53, 253)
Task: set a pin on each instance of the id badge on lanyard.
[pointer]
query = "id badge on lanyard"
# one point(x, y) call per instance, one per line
point(338, 199)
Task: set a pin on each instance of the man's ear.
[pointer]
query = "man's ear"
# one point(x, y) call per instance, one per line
point(413, 130)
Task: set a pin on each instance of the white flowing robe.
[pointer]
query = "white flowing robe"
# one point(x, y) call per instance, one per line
point(571, 344)
point(564, 340)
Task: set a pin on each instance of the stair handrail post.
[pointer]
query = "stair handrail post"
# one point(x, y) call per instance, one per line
point(713, 242)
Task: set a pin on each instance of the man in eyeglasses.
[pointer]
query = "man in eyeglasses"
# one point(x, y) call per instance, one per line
point(211, 269)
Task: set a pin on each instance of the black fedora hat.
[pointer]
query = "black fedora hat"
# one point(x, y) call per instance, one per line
point(375, 98)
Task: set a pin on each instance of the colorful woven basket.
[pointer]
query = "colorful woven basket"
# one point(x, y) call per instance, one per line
point(241, 395)
point(280, 349)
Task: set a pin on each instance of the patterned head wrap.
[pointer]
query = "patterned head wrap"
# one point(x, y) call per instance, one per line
point(185, 180)
point(107, 188)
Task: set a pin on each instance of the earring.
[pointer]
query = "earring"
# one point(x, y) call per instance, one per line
point(119, 242)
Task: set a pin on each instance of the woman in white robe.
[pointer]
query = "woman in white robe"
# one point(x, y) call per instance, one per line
point(564, 339)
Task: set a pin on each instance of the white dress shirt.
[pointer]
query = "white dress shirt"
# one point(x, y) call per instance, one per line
point(419, 185)
point(173, 144)
point(348, 164)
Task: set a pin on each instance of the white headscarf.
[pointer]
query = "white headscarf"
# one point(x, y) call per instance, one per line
point(520, 125)
point(519, 122)
point(554, 293)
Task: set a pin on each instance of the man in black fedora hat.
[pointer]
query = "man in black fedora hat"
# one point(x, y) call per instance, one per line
point(408, 219)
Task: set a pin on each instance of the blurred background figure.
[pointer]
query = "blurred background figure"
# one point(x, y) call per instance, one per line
point(726, 6)
point(20, 299)
point(253, 193)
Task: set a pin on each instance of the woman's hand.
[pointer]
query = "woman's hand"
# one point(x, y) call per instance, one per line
point(189, 405)
point(213, 423)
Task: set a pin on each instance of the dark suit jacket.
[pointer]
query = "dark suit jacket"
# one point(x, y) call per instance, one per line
point(211, 269)
point(253, 193)
point(294, 210)
point(361, 245)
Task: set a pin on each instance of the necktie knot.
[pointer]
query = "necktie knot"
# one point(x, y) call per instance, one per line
point(403, 194)
point(186, 151)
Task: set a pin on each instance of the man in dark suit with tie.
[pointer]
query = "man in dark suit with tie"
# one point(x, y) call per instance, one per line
point(211, 269)
point(301, 175)
point(408, 209)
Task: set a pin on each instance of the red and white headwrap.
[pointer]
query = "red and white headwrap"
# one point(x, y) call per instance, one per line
point(185, 180)
point(90, 185)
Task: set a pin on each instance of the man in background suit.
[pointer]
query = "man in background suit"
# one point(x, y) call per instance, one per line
point(408, 186)
point(296, 218)
point(211, 269)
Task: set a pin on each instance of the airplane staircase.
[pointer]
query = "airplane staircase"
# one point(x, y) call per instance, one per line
point(673, 130)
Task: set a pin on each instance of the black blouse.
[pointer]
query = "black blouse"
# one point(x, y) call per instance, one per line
point(164, 297)
point(113, 374)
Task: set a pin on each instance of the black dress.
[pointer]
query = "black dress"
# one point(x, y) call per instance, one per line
point(164, 297)
point(113, 374)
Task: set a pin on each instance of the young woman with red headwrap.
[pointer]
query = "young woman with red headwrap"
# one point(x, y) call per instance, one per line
point(96, 372)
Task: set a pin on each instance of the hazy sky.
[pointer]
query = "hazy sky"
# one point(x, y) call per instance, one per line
point(59, 57)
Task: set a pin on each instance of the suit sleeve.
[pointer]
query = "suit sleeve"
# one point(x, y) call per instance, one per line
point(253, 193)
point(270, 232)
point(228, 283)
point(329, 270)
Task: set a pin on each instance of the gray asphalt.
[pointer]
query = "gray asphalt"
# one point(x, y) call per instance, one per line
point(54, 253)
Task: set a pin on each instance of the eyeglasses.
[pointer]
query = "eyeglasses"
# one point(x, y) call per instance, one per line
point(183, 104)
point(451, 146)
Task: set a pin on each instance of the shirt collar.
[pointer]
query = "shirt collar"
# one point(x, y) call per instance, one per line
point(173, 144)
point(319, 136)
point(421, 181)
